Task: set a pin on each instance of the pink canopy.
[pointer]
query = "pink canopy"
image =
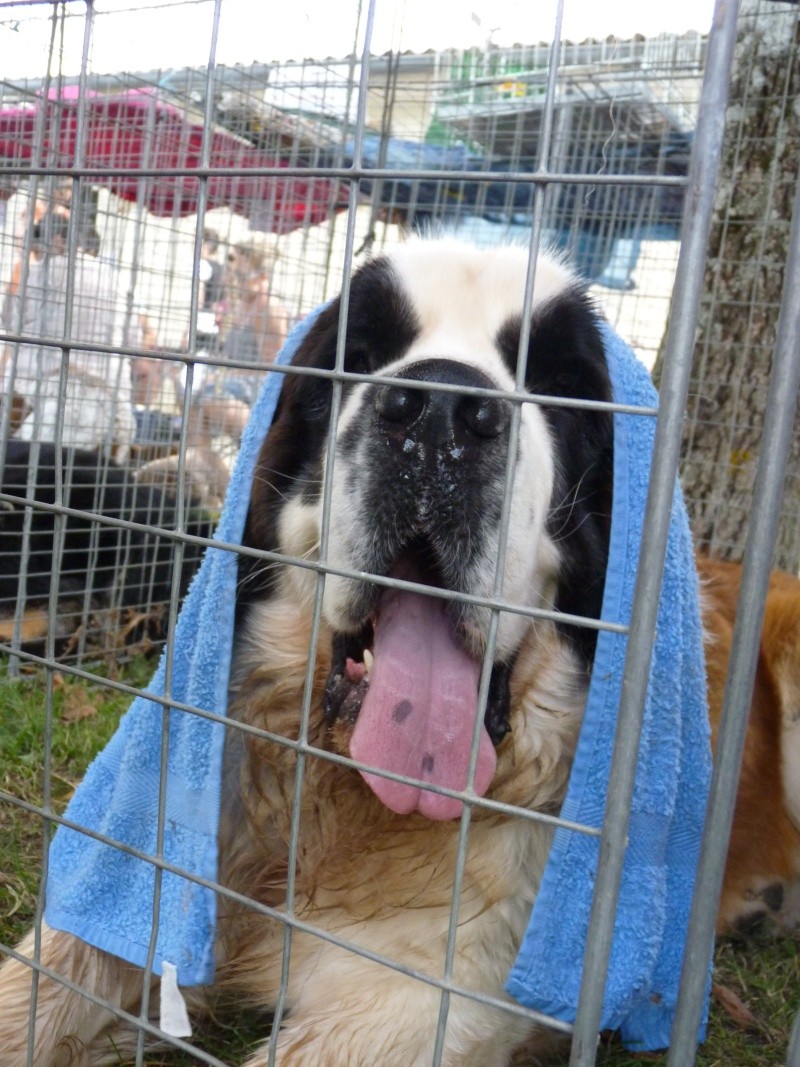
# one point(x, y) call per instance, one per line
point(135, 130)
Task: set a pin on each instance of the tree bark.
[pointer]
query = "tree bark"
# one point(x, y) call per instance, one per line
point(742, 289)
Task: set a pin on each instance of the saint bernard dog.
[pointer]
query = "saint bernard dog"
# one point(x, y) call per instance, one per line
point(453, 498)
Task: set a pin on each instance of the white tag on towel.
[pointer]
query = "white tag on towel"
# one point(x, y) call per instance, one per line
point(174, 1018)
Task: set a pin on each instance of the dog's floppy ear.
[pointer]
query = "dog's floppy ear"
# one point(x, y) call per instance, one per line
point(566, 359)
point(289, 462)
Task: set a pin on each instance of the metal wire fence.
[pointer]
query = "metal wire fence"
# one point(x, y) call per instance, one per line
point(112, 239)
point(164, 229)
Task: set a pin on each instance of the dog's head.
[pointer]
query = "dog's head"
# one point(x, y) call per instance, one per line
point(423, 489)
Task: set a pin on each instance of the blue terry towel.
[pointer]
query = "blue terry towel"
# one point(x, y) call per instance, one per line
point(105, 896)
point(673, 776)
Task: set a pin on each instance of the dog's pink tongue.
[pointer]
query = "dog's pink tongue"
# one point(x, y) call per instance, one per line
point(418, 716)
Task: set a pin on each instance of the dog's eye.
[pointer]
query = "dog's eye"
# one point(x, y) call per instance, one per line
point(357, 361)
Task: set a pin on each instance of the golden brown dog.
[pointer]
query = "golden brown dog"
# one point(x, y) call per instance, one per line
point(764, 851)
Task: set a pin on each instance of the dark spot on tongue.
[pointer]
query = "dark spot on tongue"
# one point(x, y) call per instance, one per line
point(402, 711)
point(418, 719)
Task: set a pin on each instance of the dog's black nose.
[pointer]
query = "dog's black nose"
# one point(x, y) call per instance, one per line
point(442, 418)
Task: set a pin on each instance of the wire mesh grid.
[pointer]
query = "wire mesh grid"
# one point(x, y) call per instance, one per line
point(141, 287)
point(163, 230)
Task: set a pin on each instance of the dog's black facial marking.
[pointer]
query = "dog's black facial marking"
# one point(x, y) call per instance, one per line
point(430, 466)
point(381, 325)
point(750, 926)
point(498, 703)
point(565, 359)
point(773, 895)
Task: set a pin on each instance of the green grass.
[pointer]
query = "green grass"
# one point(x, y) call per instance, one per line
point(84, 718)
point(764, 976)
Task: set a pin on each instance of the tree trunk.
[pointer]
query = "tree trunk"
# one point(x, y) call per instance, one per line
point(742, 289)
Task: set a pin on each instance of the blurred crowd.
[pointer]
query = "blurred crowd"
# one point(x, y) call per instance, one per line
point(84, 364)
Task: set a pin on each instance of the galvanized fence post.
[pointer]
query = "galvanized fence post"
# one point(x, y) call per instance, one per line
point(674, 390)
point(771, 473)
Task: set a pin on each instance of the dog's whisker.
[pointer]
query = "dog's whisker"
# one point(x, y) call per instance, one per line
point(586, 517)
point(301, 483)
point(570, 501)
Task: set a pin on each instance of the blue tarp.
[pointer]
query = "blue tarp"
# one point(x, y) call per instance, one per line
point(586, 221)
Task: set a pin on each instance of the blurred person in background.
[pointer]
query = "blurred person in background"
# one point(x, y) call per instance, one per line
point(57, 204)
point(211, 298)
point(71, 302)
point(210, 309)
point(254, 327)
